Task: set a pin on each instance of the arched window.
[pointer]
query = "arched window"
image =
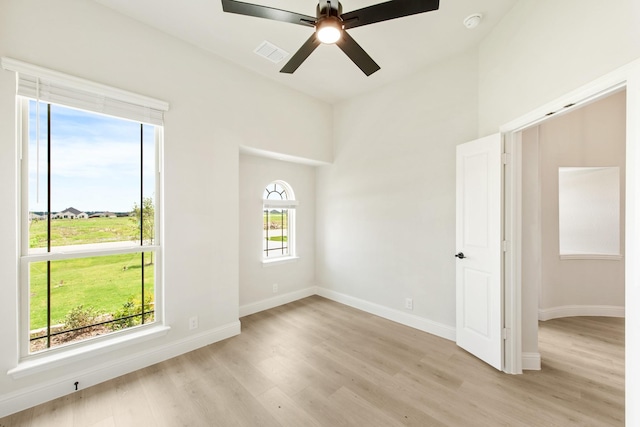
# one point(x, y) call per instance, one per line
point(278, 212)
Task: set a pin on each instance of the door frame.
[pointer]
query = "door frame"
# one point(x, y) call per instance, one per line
point(627, 77)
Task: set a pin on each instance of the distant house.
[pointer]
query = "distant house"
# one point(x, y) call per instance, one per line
point(103, 215)
point(36, 217)
point(70, 213)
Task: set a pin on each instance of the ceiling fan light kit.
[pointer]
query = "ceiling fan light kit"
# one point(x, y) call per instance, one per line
point(331, 24)
point(329, 29)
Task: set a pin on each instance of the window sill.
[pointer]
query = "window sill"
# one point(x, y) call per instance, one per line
point(277, 261)
point(590, 257)
point(34, 364)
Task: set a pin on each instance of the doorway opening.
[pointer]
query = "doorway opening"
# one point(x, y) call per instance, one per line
point(573, 219)
point(516, 319)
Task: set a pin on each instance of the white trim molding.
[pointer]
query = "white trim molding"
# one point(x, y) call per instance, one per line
point(580, 310)
point(279, 260)
point(276, 301)
point(411, 320)
point(578, 257)
point(407, 319)
point(531, 361)
point(78, 83)
point(45, 361)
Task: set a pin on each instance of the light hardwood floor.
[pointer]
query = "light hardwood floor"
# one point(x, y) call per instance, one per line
point(315, 362)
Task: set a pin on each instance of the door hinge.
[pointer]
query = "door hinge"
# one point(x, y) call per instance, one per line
point(506, 157)
point(505, 246)
point(506, 333)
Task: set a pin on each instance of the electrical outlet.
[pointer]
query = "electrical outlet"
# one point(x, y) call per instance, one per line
point(193, 322)
point(408, 303)
point(275, 288)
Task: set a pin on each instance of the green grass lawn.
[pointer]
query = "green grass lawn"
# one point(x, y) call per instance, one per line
point(275, 218)
point(79, 231)
point(104, 283)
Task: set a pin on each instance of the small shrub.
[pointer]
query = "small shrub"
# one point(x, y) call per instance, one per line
point(132, 307)
point(80, 317)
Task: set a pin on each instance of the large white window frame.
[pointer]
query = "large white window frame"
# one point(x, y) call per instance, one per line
point(43, 85)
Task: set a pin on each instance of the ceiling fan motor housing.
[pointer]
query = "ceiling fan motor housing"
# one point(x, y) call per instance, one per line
point(324, 9)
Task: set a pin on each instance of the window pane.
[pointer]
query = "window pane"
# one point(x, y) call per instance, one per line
point(37, 166)
point(89, 297)
point(98, 165)
point(274, 191)
point(276, 231)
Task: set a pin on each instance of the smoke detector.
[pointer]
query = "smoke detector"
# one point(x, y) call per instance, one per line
point(472, 21)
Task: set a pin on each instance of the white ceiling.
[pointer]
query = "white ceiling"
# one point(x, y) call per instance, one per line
point(401, 46)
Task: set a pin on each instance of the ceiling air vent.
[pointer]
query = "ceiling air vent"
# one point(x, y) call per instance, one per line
point(272, 52)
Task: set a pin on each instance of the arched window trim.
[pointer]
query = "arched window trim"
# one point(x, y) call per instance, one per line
point(288, 201)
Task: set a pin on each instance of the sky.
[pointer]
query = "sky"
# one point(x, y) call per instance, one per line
point(95, 161)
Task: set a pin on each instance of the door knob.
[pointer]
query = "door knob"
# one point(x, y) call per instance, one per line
point(459, 255)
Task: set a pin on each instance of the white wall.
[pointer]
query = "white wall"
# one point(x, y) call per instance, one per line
point(295, 279)
point(215, 107)
point(386, 207)
point(531, 237)
point(543, 49)
point(390, 192)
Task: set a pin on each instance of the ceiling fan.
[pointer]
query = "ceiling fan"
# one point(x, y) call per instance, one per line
point(330, 25)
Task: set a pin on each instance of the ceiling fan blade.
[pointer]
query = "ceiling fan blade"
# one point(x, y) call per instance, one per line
point(303, 53)
point(357, 54)
point(259, 11)
point(387, 10)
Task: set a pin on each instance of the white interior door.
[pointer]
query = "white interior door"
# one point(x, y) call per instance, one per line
point(479, 249)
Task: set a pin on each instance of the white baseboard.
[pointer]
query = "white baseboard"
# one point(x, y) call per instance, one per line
point(276, 301)
point(44, 392)
point(411, 320)
point(531, 362)
point(403, 318)
point(580, 310)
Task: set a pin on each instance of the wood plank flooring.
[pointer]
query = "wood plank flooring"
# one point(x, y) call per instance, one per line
point(315, 362)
